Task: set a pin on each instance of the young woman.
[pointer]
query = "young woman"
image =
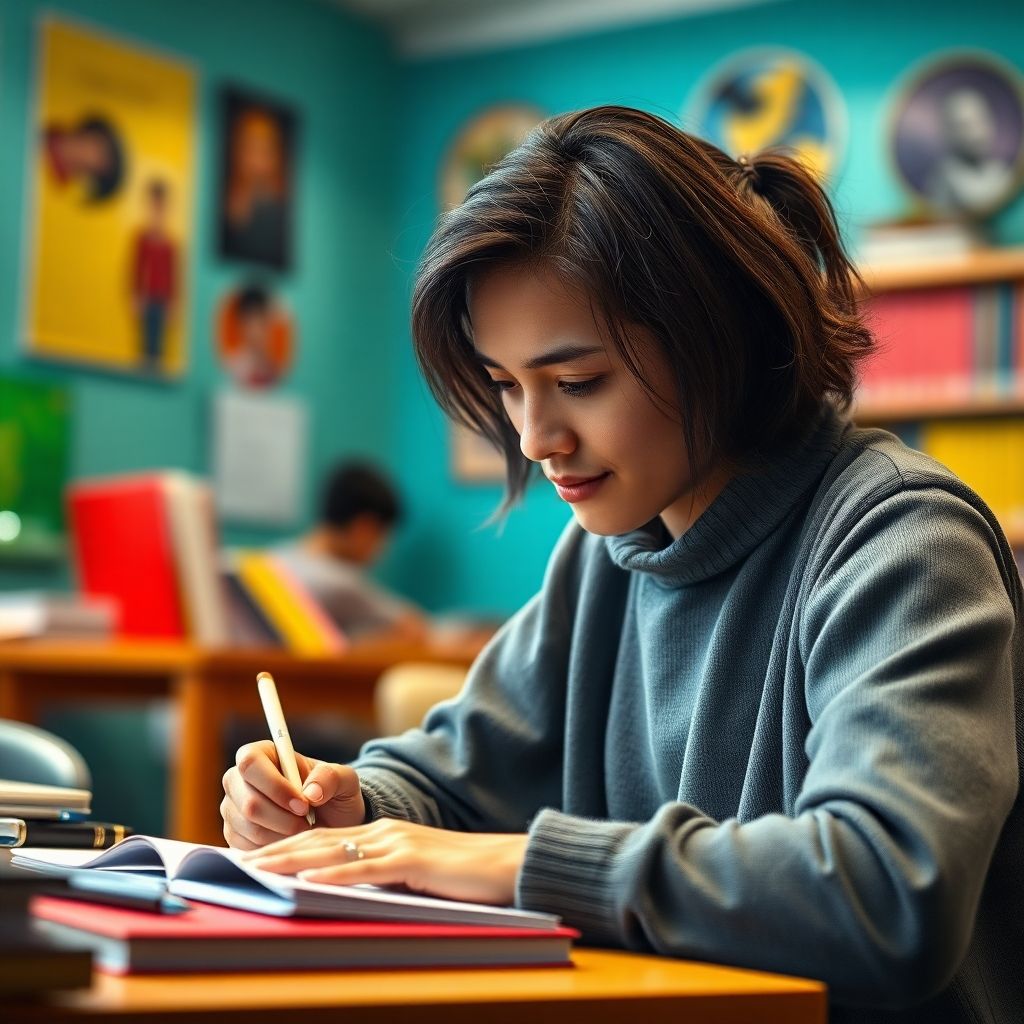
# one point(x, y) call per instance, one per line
point(763, 709)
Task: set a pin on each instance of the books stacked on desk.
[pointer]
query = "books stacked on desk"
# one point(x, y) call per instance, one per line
point(30, 963)
point(253, 911)
point(28, 614)
point(52, 816)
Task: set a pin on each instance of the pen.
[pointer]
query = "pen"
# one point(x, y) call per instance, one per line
point(279, 733)
point(75, 835)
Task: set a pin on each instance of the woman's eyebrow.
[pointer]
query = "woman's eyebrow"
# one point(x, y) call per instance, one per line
point(562, 354)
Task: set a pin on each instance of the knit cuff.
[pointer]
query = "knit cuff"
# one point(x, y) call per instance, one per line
point(382, 798)
point(568, 870)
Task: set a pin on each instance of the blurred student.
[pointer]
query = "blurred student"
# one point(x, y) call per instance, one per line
point(359, 510)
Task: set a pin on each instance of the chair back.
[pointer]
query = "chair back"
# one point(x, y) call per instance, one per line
point(31, 754)
point(406, 692)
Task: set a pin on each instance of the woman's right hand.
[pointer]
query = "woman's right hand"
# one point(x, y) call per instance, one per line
point(261, 806)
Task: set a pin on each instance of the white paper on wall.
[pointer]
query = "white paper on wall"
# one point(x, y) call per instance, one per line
point(259, 457)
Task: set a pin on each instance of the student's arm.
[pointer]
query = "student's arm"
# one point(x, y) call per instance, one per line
point(491, 759)
point(874, 883)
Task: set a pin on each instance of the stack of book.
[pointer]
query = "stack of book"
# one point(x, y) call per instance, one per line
point(52, 816)
point(29, 614)
point(31, 963)
point(148, 544)
point(236, 917)
point(269, 606)
point(917, 240)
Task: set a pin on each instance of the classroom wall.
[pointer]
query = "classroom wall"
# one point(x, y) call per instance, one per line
point(338, 73)
point(866, 46)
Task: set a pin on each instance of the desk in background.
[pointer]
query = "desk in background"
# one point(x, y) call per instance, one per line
point(604, 987)
point(206, 688)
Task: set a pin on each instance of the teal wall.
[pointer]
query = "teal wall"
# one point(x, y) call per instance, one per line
point(866, 46)
point(340, 75)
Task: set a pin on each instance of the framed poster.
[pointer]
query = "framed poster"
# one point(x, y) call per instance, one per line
point(258, 170)
point(113, 165)
point(767, 97)
point(956, 136)
point(255, 336)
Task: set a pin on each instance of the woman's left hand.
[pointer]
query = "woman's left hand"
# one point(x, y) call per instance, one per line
point(471, 866)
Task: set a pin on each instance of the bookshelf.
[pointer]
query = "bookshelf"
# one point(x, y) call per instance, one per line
point(985, 266)
point(952, 332)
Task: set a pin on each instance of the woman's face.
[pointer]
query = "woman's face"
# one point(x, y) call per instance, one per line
point(612, 452)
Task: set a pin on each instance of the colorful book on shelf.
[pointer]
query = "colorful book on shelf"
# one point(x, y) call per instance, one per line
point(247, 624)
point(926, 346)
point(148, 541)
point(123, 549)
point(213, 938)
point(218, 875)
point(988, 455)
point(287, 605)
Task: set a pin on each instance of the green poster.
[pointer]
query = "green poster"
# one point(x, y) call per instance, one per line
point(34, 441)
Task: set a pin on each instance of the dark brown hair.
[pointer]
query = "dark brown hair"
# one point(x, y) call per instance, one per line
point(736, 268)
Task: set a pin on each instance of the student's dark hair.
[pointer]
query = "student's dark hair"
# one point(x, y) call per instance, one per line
point(736, 269)
point(355, 489)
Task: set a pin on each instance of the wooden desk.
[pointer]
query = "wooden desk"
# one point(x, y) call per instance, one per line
point(603, 988)
point(206, 687)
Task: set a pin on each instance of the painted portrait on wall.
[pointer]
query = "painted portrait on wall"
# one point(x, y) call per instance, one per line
point(767, 97)
point(258, 170)
point(957, 134)
point(113, 183)
point(255, 336)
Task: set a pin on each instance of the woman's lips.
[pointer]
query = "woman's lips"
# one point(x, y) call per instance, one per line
point(578, 488)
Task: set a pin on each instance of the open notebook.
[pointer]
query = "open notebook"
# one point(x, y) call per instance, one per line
point(213, 874)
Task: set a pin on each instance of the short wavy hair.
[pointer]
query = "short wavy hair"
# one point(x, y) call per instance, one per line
point(736, 268)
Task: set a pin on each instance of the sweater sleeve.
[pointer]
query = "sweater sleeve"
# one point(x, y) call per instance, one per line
point(873, 881)
point(489, 759)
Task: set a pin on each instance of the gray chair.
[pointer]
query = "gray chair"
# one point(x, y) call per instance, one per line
point(31, 754)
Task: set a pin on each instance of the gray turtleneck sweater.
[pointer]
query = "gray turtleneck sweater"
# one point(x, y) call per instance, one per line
point(788, 740)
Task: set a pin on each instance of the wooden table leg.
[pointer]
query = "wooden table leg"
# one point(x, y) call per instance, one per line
point(15, 702)
point(196, 793)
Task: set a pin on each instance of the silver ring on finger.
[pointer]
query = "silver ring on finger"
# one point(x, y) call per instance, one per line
point(353, 850)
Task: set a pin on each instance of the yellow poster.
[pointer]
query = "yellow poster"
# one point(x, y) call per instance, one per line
point(114, 183)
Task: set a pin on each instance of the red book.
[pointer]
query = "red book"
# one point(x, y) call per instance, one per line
point(212, 938)
point(123, 548)
point(926, 345)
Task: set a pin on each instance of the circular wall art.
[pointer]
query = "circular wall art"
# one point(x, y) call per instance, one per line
point(768, 97)
point(480, 144)
point(255, 336)
point(956, 135)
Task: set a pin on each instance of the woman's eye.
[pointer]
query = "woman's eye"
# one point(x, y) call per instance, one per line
point(580, 388)
point(502, 385)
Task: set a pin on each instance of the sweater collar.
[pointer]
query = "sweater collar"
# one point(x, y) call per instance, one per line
point(749, 508)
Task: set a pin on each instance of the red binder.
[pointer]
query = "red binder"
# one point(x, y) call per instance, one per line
point(212, 938)
point(123, 549)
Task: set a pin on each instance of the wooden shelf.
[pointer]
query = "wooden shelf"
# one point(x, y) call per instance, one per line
point(871, 413)
point(985, 266)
